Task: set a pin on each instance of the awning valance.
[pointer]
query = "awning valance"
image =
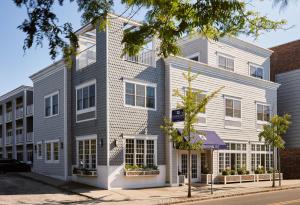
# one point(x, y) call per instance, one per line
point(210, 138)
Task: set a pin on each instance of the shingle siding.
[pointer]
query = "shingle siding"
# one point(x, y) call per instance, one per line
point(51, 128)
point(96, 71)
point(125, 120)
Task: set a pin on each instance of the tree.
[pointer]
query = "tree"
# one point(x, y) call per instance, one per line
point(272, 134)
point(169, 20)
point(192, 106)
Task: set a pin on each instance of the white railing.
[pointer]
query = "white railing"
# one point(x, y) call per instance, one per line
point(29, 137)
point(20, 138)
point(86, 57)
point(1, 119)
point(19, 113)
point(8, 116)
point(146, 56)
point(29, 109)
point(9, 140)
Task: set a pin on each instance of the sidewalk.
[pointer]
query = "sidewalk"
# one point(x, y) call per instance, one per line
point(163, 195)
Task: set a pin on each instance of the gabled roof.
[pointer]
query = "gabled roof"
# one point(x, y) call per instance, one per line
point(15, 91)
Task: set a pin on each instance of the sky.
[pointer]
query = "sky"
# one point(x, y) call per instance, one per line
point(16, 65)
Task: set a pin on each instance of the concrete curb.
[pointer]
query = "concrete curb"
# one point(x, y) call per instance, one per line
point(55, 186)
point(195, 199)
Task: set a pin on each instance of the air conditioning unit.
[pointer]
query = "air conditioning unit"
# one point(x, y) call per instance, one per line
point(181, 179)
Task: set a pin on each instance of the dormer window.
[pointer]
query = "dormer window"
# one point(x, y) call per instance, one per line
point(226, 62)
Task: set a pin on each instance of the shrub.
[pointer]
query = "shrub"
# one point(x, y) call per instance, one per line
point(232, 172)
point(259, 170)
point(225, 172)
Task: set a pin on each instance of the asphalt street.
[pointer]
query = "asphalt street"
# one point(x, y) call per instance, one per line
point(284, 197)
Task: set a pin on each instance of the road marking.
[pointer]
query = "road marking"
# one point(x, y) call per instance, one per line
point(286, 202)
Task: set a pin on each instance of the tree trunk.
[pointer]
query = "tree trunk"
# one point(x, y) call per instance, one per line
point(189, 174)
point(273, 184)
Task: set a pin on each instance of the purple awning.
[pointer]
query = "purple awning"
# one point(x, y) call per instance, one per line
point(210, 139)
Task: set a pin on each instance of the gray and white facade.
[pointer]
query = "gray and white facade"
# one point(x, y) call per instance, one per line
point(106, 111)
point(16, 124)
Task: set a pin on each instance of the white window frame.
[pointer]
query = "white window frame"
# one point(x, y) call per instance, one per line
point(37, 150)
point(197, 54)
point(229, 151)
point(51, 104)
point(255, 152)
point(154, 85)
point(52, 161)
point(232, 118)
point(227, 57)
point(256, 66)
point(90, 109)
point(264, 104)
point(82, 138)
point(141, 137)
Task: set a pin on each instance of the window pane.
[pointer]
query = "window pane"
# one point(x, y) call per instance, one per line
point(79, 99)
point(237, 109)
point(47, 106)
point(150, 153)
point(150, 97)
point(130, 100)
point(93, 154)
point(130, 88)
point(139, 152)
point(194, 166)
point(252, 71)
point(222, 62)
point(92, 95)
point(55, 104)
point(266, 113)
point(80, 154)
point(56, 151)
point(140, 95)
point(48, 146)
point(184, 164)
point(259, 73)
point(87, 154)
point(85, 97)
point(230, 64)
point(229, 107)
point(259, 112)
point(140, 101)
point(129, 152)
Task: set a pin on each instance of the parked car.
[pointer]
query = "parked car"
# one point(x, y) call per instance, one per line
point(13, 165)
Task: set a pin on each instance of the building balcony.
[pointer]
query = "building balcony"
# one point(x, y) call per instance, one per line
point(29, 110)
point(8, 116)
point(29, 137)
point(20, 138)
point(1, 119)
point(19, 113)
point(145, 57)
point(86, 57)
point(9, 140)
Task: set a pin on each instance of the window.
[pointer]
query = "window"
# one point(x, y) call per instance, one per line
point(86, 153)
point(234, 158)
point(86, 97)
point(184, 164)
point(232, 108)
point(20, 155)
point(52, 151)
point(140, 151)
point(257, 72)
point(140, 95)
point(194, 166)
point(39, 150)
point(263, 112)
point(226, 63)
point(261, 156)
point(51, 104)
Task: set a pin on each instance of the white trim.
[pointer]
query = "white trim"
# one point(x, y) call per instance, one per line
point(51, 142)
point(51, 104)
point(37, 150)
point(65, 140)
point(86, 137)
point(89, 109)
point(197, 54)
point(15, 91)
point(86, 120)
point(153, 85)
point(49, 70)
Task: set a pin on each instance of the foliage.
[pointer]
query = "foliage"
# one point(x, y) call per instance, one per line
point(205, 170)
point(226, 172)
point(260, 170)
point(232, 172)
point(272, 133)
point(168, 20)
point(129, 167)
point(242, 171)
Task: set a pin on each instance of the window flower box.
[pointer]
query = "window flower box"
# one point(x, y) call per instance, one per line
point(140, 171)
point(84, 172)
point(224, 179)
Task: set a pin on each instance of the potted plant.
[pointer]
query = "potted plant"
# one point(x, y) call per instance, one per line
point(135, 170)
